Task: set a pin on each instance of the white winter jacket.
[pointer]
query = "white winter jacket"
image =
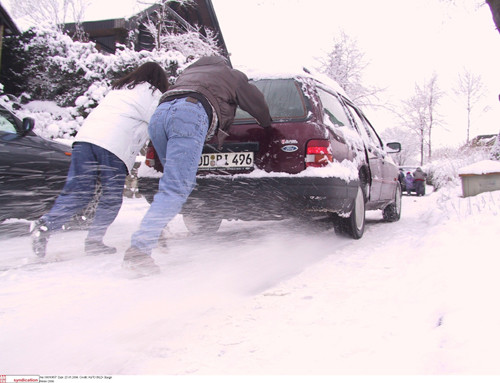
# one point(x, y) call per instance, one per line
point(120, 122)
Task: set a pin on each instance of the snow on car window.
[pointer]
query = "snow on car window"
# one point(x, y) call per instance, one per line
point(336, 118)
point(284, 97)
point(333, 109)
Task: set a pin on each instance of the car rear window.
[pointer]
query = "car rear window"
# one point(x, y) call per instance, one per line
point(284, 97)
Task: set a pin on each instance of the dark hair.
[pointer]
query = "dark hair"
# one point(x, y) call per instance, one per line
point(149, 72)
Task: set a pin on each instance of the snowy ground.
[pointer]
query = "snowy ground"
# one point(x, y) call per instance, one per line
point(419, 296)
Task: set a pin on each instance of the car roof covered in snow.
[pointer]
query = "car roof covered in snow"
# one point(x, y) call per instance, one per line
point(257, 74)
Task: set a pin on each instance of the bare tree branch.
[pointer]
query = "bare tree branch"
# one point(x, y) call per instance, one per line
point(50, 12)
point(470, 89)
point(346, 64)
point(420, 114)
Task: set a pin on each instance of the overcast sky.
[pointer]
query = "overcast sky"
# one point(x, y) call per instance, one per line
point(404, 41)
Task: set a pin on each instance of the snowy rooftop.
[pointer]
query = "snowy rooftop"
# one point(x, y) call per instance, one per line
point(481, 167)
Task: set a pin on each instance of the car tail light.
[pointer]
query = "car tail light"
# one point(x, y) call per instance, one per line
point(319, 153)
point(150, 156)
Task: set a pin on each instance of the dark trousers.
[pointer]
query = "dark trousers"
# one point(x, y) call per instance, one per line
point(90, 163)
point(420, 187)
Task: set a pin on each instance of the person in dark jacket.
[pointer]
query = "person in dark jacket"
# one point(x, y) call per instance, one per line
point(401, 179)
point(200, 105)
point(419, 179)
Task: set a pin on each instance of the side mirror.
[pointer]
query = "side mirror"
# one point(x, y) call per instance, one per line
point(394, 146)
point(28, 125)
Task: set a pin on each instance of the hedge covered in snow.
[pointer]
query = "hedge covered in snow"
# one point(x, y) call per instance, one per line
point(57, 81)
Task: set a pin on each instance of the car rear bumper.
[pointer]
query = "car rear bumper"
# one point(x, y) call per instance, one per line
point(249, 198)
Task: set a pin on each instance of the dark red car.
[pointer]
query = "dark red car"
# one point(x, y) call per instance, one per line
point(322, 158)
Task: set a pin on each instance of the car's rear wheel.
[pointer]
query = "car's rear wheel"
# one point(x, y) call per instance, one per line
point(201, 223)
point(354, 225)
point(392, 212)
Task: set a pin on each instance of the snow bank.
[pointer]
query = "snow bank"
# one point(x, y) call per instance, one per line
point(481, 167)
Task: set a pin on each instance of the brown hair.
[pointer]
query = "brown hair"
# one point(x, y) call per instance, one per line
point(149, 72)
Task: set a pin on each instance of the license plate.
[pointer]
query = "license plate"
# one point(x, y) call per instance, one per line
point(238, 160)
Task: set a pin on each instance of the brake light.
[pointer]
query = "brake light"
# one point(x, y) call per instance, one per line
point(319, 153)
point(150, 157)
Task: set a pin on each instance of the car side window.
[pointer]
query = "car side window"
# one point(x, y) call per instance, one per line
point(365, 129)
point(334, 112)
point(6, 125)
point(373, 134)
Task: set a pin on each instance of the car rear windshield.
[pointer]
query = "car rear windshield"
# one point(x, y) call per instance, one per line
point(284, 97)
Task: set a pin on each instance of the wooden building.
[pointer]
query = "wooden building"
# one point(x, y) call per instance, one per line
point(108, 33)
point(7, 27)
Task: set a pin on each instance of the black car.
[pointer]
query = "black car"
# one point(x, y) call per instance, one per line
point(33, 170)
point(322, 158)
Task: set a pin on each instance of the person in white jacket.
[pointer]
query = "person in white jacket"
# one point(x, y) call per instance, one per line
point(105, 149)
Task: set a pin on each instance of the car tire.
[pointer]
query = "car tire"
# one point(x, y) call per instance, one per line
point(392, 212)
point(198, 224)
point(354, 225)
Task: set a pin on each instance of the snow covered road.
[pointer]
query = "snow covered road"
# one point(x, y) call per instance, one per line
point(413, 297)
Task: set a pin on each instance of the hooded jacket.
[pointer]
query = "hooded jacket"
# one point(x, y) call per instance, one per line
point(419, 175)
point(119, 124)
point(225, 89)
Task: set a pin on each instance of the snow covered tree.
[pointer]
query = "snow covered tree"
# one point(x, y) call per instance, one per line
point(45, 65)
point(470, 89)
point(433, 96)
point(419, 114)
point(171, 32)
point(345, 64)
point(416, 119)
point(50, 12)
point(409, 144)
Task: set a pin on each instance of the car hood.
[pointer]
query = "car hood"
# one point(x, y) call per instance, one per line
point(54, 145)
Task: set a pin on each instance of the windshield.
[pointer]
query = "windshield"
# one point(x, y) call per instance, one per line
point(284, 97)
point(7, 123)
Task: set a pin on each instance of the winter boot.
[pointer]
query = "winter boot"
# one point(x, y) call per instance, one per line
point(139, 262)
point(96, 247)
point(39, 237)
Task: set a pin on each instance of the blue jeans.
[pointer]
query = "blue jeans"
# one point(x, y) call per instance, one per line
point(177, 129)
point(89, 163)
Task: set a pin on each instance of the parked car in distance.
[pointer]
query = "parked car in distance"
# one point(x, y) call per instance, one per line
point(33, 171)
point(321, 159)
